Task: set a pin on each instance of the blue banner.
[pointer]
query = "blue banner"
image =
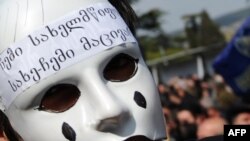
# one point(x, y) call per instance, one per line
point(233, 63)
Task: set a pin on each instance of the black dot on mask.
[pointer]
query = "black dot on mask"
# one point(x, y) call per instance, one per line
point(140, 100)
point(68, 132)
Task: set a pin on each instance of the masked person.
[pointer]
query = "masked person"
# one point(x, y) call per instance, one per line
point(71, 70)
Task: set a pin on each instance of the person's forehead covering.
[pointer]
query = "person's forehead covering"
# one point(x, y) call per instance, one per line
point(39, 38)
point(19, 18)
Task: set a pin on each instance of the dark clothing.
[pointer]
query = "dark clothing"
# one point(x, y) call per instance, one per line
point(213, 138)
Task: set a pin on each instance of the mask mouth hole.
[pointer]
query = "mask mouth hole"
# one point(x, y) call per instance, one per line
point(121, 68)
point(59, 98)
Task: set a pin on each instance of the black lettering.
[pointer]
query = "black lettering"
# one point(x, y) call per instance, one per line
point(35, 41)
point(45, 65)
point(64, 31)
point(110, 12)
point(36, 76)
point(25, 76)
point(72, 22)
point(85, 16)
point(7, 63)
point(56, 66)
point(44, 37)
point(127, 32)
point(105, 40)
point(52, 32)
point(114, 34)
point(86, 44)
point(61, 56)
point(95, 42)
point(2, 64)
point(123, 37)
point(101, 12)
point(91, 11)
point(18, 51)
point(11, 54)
point(19, 83)
point(13, 86)
point(70, 53)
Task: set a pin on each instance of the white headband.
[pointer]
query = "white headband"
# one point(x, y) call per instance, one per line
point(66, 41)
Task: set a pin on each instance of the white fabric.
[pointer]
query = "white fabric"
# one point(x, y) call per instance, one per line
point(70, 39)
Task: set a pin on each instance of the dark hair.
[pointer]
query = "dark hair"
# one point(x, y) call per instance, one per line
point(126, 12)
point(194, 107)
point(235, 110)
point(5, 127)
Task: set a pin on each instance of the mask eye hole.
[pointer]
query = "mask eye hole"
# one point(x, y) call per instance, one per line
point(59, 98)
point(121, 68)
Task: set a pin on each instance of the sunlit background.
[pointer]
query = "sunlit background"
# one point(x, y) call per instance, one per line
point(180, 41)
point(167, 27)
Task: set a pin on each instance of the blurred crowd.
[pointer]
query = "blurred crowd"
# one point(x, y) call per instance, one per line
point(197, 108)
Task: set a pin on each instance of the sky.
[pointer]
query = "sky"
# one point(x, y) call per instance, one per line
point(175, 9)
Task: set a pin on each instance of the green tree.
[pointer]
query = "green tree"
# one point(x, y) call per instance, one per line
point(202, 31)
point(210, 32)
point(150, 20)
point(155, 40)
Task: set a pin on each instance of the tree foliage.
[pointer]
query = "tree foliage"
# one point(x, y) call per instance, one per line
point(150, 23)
point(150, 20)
point(202, 31)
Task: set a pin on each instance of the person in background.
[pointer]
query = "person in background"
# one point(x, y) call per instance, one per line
point(225, 97)
point(211, 127)
point(188, 117)
point(239, 114)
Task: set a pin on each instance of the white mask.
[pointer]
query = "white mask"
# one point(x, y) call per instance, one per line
point(112, 94)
